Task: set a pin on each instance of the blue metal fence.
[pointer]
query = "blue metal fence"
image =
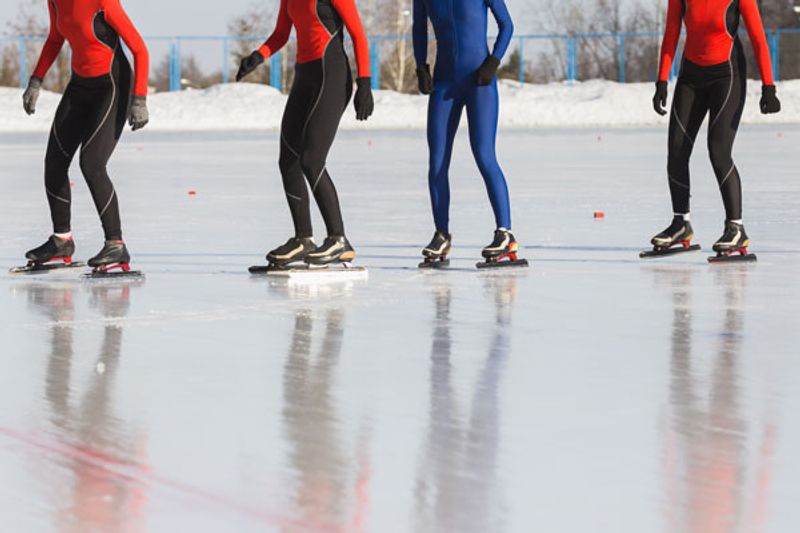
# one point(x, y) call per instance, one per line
point(569, 41)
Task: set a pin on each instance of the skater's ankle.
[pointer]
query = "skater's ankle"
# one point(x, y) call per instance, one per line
point(63, 236)
point(737, 221)
point(685, 216)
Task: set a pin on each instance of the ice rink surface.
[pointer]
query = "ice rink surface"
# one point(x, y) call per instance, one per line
point(593, 392)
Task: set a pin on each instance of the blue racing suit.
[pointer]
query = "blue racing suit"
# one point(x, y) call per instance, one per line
point(460, 29)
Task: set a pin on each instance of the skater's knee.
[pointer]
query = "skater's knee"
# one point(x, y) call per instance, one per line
point(486, 159)
point(312, 165)
point(55, 163)
point(91, 168)
point(677, 163)
point(286, 162)
point(721, 159)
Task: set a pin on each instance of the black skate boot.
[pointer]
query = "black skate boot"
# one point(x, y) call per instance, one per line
point(113, 256)
point(502, 252)
point(734, 240)
point(54, 254)
point(436, 252)
point(335, 249)
point(675, 239)
point(293, 251)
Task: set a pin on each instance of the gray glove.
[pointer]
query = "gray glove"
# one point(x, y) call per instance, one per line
point(31, 95)
point(139, 115)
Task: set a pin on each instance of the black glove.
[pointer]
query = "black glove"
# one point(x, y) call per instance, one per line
point(249, 64)
point(487, 70)
point(769, 102)
point(424, 79)
point(660, 98)
point(363, 101)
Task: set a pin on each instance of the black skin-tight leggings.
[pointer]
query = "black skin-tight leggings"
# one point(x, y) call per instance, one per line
point(317, 101)
point(91, 116)
point(717, 91)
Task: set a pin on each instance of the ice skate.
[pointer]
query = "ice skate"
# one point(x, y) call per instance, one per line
point(502, 252)
point(732, 246)
point(677, 238)
point(437, 252)
point(111, 262)
point(287, 256)
point(55, 254)
point(333, 250)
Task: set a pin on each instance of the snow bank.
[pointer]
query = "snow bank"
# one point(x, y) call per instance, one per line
point(250, 106)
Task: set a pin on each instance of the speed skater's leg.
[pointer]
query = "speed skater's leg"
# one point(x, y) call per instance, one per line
point(444, 114)
point(482, 112)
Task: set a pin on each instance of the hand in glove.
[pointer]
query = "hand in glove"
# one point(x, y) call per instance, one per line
point(139, 114)
point(769, 102)
point(249, 64)
point(487, 70)
point(424, 79)
point(660, 98)
point(31, 95)
point(363, 101)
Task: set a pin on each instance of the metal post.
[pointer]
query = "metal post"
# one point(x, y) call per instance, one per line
point(23, 63)
point(676, 65)
point(521, 59)
point(375, 62)
point(775, 53)
point(621, 40)
point(175, 66)
point(225, 51)
point(275, 72)
point(572, 59)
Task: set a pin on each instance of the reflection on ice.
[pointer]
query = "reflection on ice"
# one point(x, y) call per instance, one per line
point(87, 494)
point(711, 486)
point(457, 487)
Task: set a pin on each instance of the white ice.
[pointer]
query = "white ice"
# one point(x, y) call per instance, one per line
point(594, 392)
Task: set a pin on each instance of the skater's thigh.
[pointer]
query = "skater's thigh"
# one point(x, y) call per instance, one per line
point(298, 107)
point(726, 106)
point(101, 137)
point(444, 115)
point(689, 108)
point(324, 119)
point(482, 114)
point(69, 126)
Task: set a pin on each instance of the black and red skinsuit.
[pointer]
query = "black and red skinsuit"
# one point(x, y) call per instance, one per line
point(95, 105)
point(712, 82)
point(322, 88)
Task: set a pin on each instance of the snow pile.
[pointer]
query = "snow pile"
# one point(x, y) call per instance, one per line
point(251, 106)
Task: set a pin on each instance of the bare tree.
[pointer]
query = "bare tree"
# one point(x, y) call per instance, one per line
point(258, 22)
point(32, 20)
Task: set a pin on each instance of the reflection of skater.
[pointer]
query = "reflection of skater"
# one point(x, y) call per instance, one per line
point(91, 116)
point(456, 487)
point(713, 82)
point(311, 422)
point(707, 464)
point(84, 417)
point(464, 78)
point(319, 96)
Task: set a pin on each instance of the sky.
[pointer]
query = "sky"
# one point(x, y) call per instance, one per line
point(185, 17)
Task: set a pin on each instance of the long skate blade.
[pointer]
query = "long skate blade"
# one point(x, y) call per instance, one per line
point(132, 275)
point(306, 272)
point(737, 258)
point(669, 251)
point(436, 264)
point(46, 267)
point(266, 269)
point(519, 263)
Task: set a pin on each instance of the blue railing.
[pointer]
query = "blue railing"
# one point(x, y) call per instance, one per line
point(570, 42)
